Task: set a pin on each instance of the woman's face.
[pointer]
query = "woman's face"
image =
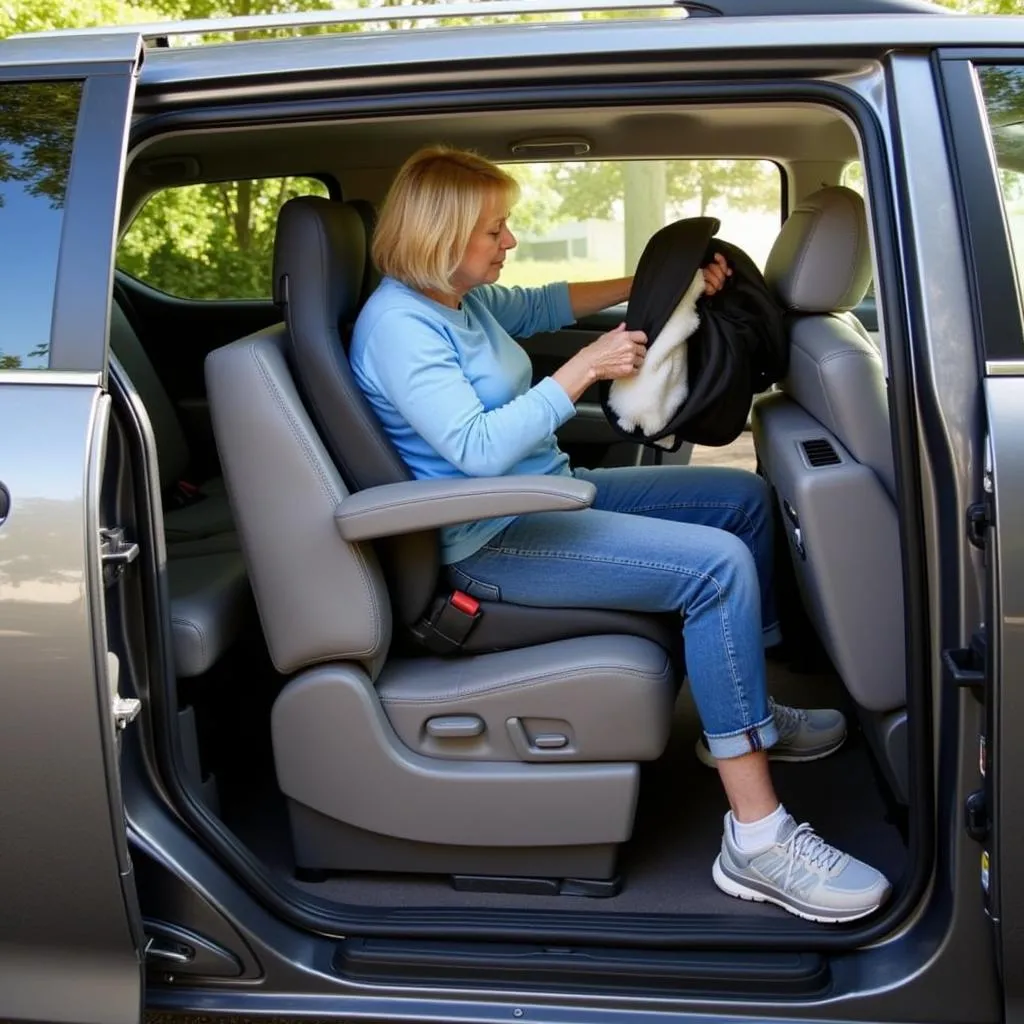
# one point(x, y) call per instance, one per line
point(485, 252)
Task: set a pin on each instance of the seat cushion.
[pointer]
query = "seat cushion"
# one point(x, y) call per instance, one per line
point(503, 626)
point(602, 698)
point(209, 598)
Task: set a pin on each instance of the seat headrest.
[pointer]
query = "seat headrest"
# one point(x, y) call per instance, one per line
point(320, 258)
point(821, 261)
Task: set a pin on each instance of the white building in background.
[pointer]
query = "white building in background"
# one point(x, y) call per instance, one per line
point(575, 240)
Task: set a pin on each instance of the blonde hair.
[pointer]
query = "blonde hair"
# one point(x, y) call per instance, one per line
point(429, 214)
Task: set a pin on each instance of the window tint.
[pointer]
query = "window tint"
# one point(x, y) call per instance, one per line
point(1003, 90)
point(37, 131)
point(590, 220)
point(212, 241)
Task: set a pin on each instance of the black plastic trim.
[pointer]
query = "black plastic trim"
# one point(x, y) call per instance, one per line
point(665, 931)
point(996, 310)
point(620, 971)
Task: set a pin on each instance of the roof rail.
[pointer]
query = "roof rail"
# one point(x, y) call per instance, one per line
point(158, 32)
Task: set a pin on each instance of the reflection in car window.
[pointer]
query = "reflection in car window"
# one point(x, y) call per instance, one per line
point(589, 220)
point(211, 241)
point(37, 130)
point(1003, 89)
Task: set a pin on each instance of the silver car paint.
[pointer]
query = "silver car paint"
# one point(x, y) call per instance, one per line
point(62, 848)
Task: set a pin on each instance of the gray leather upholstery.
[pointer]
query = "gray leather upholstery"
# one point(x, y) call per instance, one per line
point(405, 508)
point(208, 520)
point(821, 261)
point(519, 802)
point(823, 441)
point(319, 598)
point(319, 270)
point(209, 598)
point(836, 375)
point(597, 699)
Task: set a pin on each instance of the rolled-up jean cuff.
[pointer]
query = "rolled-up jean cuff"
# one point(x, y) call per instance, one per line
point(771, 635)
point(747, 741)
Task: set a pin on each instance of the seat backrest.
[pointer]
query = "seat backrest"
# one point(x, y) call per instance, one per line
point(820, 269)
point(171, 446)
point(320, 256)
point(319, 597)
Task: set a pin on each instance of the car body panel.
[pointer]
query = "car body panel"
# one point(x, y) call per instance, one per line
point(68, 890)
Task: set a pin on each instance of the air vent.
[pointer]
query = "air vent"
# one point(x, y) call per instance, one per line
point(820, 452)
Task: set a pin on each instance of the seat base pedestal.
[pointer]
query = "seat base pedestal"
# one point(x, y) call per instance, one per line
point(322, 844)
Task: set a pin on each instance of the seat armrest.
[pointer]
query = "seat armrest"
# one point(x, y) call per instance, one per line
point(415, 505)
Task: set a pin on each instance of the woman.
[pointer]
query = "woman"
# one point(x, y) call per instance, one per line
point(433, 351)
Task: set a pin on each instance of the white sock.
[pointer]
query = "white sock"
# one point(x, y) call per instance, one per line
point(757, 836)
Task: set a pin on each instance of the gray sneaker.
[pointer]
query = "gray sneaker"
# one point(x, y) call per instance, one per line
point(804, 735)
point(801, 873)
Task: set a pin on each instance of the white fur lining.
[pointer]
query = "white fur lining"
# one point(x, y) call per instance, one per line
point(653, 395)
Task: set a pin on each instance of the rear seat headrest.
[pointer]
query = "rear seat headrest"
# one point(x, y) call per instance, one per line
point(319, 259)
point(821, 261)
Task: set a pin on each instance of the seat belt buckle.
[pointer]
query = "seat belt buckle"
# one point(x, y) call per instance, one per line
point(186, 493)
point(450, 621)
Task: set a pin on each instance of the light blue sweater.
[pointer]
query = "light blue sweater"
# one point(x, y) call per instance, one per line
point(452, 387)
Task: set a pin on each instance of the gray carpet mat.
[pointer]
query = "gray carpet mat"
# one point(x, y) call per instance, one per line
point(666, 867)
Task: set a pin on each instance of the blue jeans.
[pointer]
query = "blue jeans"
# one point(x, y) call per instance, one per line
point(693, 540)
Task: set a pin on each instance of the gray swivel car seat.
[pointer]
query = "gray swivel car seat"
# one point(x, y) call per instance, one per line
point(522, 761)
point(319, 278)
point(823, 442)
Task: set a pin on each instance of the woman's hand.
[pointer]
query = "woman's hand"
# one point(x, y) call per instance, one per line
point(619, 353)
point(715, 274)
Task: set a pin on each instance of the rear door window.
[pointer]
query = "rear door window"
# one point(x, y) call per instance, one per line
point(211, 241)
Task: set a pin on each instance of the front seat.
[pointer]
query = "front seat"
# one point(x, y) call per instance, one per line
point(824, 445)
point(320, 257)
point(520, 761)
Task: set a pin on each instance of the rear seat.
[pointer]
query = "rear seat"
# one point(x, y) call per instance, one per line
point(206, 578)
point(205, 525)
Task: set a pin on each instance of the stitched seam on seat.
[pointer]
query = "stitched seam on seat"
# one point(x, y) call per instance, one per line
point(439, 499)
point(188, 624)
point(825, 390)
point(330, 492)
point(524, 683)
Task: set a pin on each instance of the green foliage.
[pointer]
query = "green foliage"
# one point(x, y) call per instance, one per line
point(37, 124)
point(985, 6)
point(210, 241)
point(598, 188)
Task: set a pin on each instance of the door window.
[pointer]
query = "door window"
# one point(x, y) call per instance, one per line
point(37, 131)
point(590, 220)
point(211, 241)
point(1003, 92)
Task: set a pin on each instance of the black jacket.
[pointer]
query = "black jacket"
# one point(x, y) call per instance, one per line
point(738, 350)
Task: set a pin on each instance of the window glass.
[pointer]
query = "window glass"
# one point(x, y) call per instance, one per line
point(37, 130)
point(213, 241)
point(591, 220)
point(1003, 90)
